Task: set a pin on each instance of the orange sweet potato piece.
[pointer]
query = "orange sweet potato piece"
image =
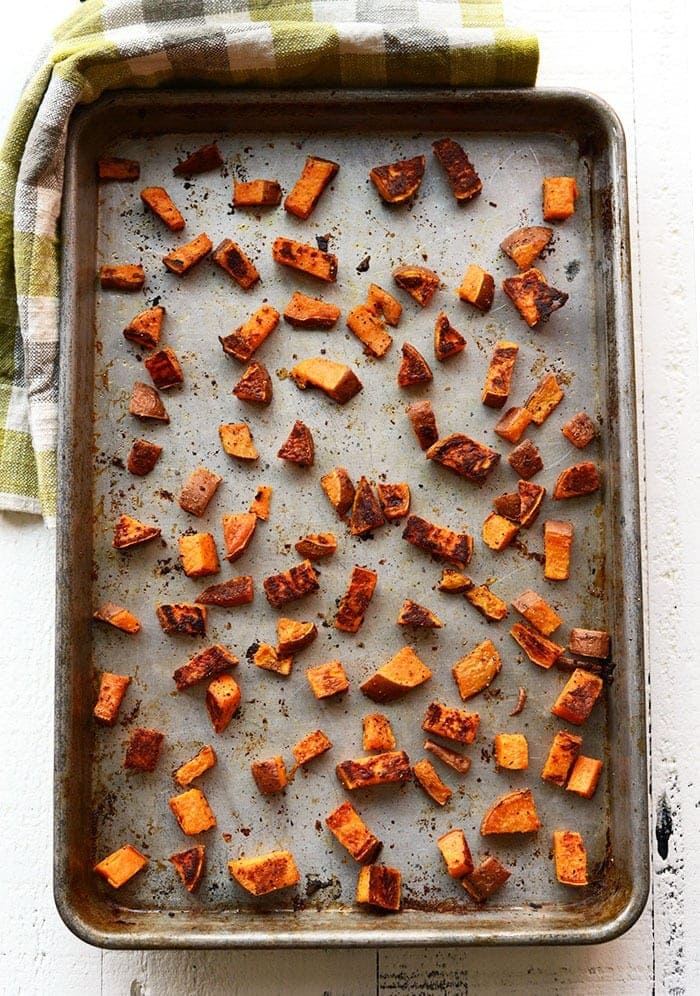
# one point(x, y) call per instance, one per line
point(255, 384)
point(298, 447)
point(534, 298)
point(447, 341)
point(514, 812)
point(239, 528)
point(559, 195)
point(466, 457)
point(584, 776)
point(489, 605)
point(182, 259)
point(461, 175)
point(204, 666)
point(266, 657)
point(310, 747)
point(327, 679)
point(243, 341)
point(498, 532)
point(355, 601)
point(580, 479)
point(429, 780)
point(498, 377)
point(235, 591)
point(558, 538)
point(455, 852)
point(198, 490)
point(413, 614)
point(563, 752)
point(145, 328)
point(525, 244)
point(189, 865)
point(256, 193)
point(570, 858)
point(130, 532)
point(395, 500)
point(377, 733)
point(414, 367)
point(265, 873)
point(305, 258)
point(304, 312)
point(117, 616)
point(237, 441)
point(544, 399)
point(513, 423)
point(314, 546)
point(202, 160)
point(304, 195)
point(379, 886)
point(381, 302)
point(477, 288)
point(260, 505)
point(289, 585)
point(397, 182)
point(162, 206)
point(124, 277)
point(366, 513)
point(111, 695)
point(418, 281)
point(234, 261)
point(450, 723)
point(198, 555)
point(164, 369)
point(339, 490)
point(441, 542)
point(146, 403)
point(192, 811)
point(182, 618)
point(590, 642)
point(350, 830)
point(579, 430)
point(121, 865)
point(370, 330)
point(196, 766)
point(487, 878)
point(270, 775)
point(222, 701)
point(400, 675)
point(475, 672)
point(537, 611)
point(576, 700)
point(538, 648)
point(336, 380)
point(510, 751)
point(526, 460)
point(452, 758)
point(422, 418)
point(293, 635)
point(376, 769)
point(117, 168)
point(144, 749)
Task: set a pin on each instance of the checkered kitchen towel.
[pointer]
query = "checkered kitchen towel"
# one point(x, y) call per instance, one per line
point(115, 44)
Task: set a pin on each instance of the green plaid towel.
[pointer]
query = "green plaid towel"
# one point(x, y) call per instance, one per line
point(115, 44)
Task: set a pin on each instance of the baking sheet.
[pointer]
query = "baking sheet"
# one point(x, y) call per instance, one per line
point(514, 139)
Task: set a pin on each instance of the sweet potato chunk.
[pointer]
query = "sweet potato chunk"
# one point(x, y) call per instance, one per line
point(413, 614)
point(239, 528)
point(538, 648)
point(182, 618)
point(414, 368)
point(110, 697)
point(578, 696)
point(559, 195)
point(327, 679)
point(500, 372)
point(289, 585)
point(510, 751)
point(579, 430)
point(563, 752)
point(182, 259)
point(204, 666)
point(298, 447)
point(537, 611)
point(447, 341)
point(256, 193)
point(164, 369)
point(350, 830)
point(514, 812)
point(418, 281)
point(397, 182)
point(266, 657)
point(237, 441)
point(590, 642)
point(234, 261)
point(455, 852)
point(450, 723)
point(376, 769)
point(144, 749)
point(454, 581)
point(452, 758)
point(366, 514)
point(235, 591)
point(513, 423)
point(471, 460)
point(377, 733)
point(395, 500)
point(304, 195)
point(580, 479)
point(124, 277)
point(304, 312)
point(531, 497)
point(526, 460)
point(355, 602)
point(422, 419)
point(534, 298)
point(117, 168)
point(558, 538)
point(196, 766)
point(243, 341)
point(381, 302)
point(146, 403)
point(315, 546)
point(117, 616)
point(400, 675)
point(189, 865)
point(202, 160)
point(270, 775)
point(121, 865)
point(498, 532)
point(379, 886)
point(477, 288)
point(293, 635)
point(130, 532)
point(310, 747)
point(198, 490)
point(487, 878)
point(339, 490)
point(489, 605)
point(192, 812)
point(161, 204)
point(429, 780)
point(526, 244)
point(476, 671)
point(145, 328)
point(305, 258)
point(255, 384)
point(570, 858)
point(439, 541)
point(584, 776)
point(460, 173)
point(335, 379)
point(370, 330)
point(198, 555)
point(266, 873)
point(260, 505)
point(222, 701)
point(544, 399)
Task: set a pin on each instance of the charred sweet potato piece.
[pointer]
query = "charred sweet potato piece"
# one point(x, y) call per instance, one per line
point(589, 642)
point(287, 586)
point(270, 775)
point(146, 403)
point(204, 666)
point(563, 752)
point(143, 750)
point(222, 701)
point(327, 679)
point(580, 479)
point(450, 723)
point(454, 581)
point(379, 886)
point(265, 873)
point(377, 733)
point(413, 614)
point(304, 195)
point(579, 430)
point(581, 692)
point(310, 747)
point(531, 498)
point(254, 384)
point(117, 616)
point(464, 456)
point(234, 261)
point(192, 812)
point(117, 168)
point(544, 399)
point(452, 758)
point(510, 751)
point(431, 783)
point(235, 591)
point(183, 618)
point(584, 776)
point(400, 675)
point(534, 298)
point(243, 341)
point(266, 657)
point(498, 532)
point(414, 367)
point(514, 812)
point(335, 379)
point(293, 636)
point(256, 193)
point(366, 513)
point(538, 648)
point(130, 532)
point(559, 195)
point(305, 258)
point(558, 539)
point(525, 244)
point(526, 460)
point(570, 858)
point(198, 555)
point(189, 865)
point(314, 546)
point(397, 182)
point(418, 281)
point(538, 613)
point(164, 369)
point(298, 447)
point(489, 605)
point(499, 374)
point(513, 423)
point(355, 602)
point(123, 276)
point(239, 528)
point(370, 330)
point(202, 160)
point(110, 697)
point(381, 302)
point(161, 204)
point(395, 500)
point(376, 769)
point(447, 341)
point(145, 328)
point(477, 288)
point(121, 865)
point(350, 830)
point(339, 490)
point(441, 542)
point(198, 490)
point(196, 766)
point(304, 312)
point(237, 441)
point(260, 505)
point(487, 878)
point(455, 852)
point(422, 418)
point(460, 173)
point(182, 259)
point(475, 672)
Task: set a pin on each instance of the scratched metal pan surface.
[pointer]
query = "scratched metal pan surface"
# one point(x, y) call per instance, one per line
point(514, 139)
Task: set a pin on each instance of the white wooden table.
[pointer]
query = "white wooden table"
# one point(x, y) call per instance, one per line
point(634, 54)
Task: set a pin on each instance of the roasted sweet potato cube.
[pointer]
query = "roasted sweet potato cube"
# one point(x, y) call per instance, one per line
point(450, 723)
point(534, 298)
point(400, 675)
point(381, 302)
point(454, 581)
point(441, 542)
point(198, 555)
point(256, 193)
point(538, 648)
point(429, 780)
point(578, 696)
point(311, 746)
point(422, 419)
point(123, 277)
point(239, 528)
point(418, 281)
point(584, 776)
point(260, 505)
point(189, 865)
point(531, 497)
point(475, 672)
point(558, 538)
point(198, 490)
point(466, 457)
point(144, 749)
point(544, 399)
point(510, 751)
point(145, 328)
point(563, 752)
point(397, 182)
point(304, 312)
point(287, 586)
point(254, 384)
point(498, 532)
point(327, 679)
point(355, 601)
point(526, 460)
point(315, 546)
point(196, 766)
point(335, 379)
point(508, 505)
point(499, 374)
point(237, 441)
point(270, 775)
point(339, 490)
point(380, 886)
point(489, 605)
point(293, 636)
point(143, 456)
point(537, 611)
point(192, 812)
point(525, 244)
point(118, 168)
point(559, 195)
point(146, 403)
point(570, 858)
point(366, 514)
point(460, 173)
point(447, 341)
point(243, 341)
point(117, 616)
point(370, 330)
point(305, 258)
point(579, 430)
point(161, 204)
point(298, 447)
point(110, 697)
point(121, 865)
point(487, 878)
point(477, 288)
point(376, 769)
point(234, 261)
point(202, 160)
point(395, 500)
point(182, 259)
point(350, 830)
point(414, 367)
point(204, 666)
point(413, 614)
point(265, 873)
point(455, 852)
point(590, 642)
point(182, 618)
point(304, 195)
point(266, 657)
point(580, 479)
point(452, 758)
point(130, 532)
point(377, 733)
point(514, 812)
point(513, 423)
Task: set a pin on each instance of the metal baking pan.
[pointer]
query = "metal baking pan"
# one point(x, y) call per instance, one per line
point(514, 138)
